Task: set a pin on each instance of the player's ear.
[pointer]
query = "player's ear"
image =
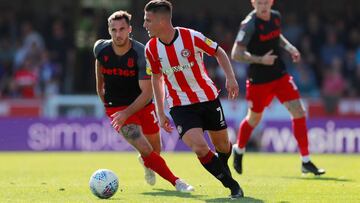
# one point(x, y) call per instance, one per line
point(109, 31)
point(130, 29)
point(253, 3)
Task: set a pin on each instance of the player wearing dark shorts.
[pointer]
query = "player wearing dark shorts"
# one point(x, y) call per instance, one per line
point(123, 84)
point(258, 43)
point(175, 55)
point(206, 115)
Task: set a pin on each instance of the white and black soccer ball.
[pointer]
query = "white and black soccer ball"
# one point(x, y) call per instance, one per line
point(104, 183)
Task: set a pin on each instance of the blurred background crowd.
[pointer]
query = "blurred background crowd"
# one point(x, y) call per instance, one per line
point(46, 46)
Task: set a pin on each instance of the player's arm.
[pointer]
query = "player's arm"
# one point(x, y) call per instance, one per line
point(99, 81)
point(141, 101)
point(239, 53)
point(295, 54)
point(231, 83)
point(159, 96)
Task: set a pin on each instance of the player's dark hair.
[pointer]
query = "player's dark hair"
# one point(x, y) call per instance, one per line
point(159, 6)
point(118, 15)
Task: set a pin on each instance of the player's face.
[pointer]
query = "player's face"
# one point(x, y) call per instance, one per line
point(262, 7)
point(119, 31)
point(152, 24)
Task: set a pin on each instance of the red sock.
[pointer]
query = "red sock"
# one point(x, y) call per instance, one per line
point(207, 158)
point(244, 134)
point(156, 163)
point(300, 133)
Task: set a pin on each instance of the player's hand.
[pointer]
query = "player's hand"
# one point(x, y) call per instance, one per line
point(165, 123)
point(232, 88)
point(295, 55)
point(268, 58)
point(118, 119)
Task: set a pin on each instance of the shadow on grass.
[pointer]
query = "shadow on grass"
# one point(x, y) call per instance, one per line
point(318, 178)
point(172, 193)
point(112, 199)
point(162, 192)
point(245, 199)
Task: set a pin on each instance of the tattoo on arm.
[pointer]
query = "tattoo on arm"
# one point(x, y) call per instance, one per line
point(130, 132)
point(239, 53)
point(246, 57)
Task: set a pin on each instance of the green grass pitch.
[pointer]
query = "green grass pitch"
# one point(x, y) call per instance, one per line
point(63, 177)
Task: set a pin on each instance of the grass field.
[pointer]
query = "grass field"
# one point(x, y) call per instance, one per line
point(63, 177)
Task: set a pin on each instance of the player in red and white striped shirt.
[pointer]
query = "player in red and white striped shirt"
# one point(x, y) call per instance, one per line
point(175, 55)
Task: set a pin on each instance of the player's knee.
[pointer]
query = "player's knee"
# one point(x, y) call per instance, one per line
point(223, 146)
point(200, 150)
point(302, 113)
point(145, 150)
point(299, 113)
point(156, 148)
point(254, 120)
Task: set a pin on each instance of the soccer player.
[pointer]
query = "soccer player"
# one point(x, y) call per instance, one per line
point(123, 85)
point(175, 55)
point(258, 43)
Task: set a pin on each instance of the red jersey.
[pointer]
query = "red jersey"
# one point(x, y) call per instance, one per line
point(181, 63)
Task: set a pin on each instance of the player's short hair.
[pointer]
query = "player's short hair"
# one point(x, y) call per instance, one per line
point(253, 1)
point(118, 15)
point(159, 6)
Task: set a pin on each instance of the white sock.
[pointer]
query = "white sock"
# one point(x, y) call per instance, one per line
point(305, 159)
point(239, 150)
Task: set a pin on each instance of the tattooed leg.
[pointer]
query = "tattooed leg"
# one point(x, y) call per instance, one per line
point(134, 136)
point(130, 132)
point(295, 108)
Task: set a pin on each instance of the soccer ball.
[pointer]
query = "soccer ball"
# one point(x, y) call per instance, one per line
point(104, 183)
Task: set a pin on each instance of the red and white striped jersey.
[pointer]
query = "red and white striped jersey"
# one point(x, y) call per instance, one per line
point(182, 65)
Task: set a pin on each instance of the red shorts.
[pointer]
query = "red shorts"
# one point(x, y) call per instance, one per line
point(260, 96)
point(146, 118)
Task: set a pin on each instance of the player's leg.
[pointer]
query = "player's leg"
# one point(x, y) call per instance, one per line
point(194, 139)
point(288, 94)
point(152, 160)
point(150, 126)
point(247, 126)
point(258, 97)
point(245, 130)
point(215, 123)
point(222, 145)
point(151, 130)
point(154, 140)
point(297, 112)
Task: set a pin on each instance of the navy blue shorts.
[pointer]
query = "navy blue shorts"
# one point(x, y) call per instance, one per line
point(206, 115)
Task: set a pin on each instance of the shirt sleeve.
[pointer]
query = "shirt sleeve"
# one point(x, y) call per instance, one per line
point(247, 29)
point(204, 44)
point(141, 62)
point(98, 46)
point(152, 65)
point(144, 70)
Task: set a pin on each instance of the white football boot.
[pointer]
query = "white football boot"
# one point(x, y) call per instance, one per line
point(150, 177)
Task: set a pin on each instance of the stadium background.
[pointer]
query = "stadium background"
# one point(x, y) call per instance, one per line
point(47, 86)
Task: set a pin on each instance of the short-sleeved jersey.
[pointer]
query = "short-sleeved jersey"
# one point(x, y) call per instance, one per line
point(259, 37)
point(181, 64)
point(121, 73)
